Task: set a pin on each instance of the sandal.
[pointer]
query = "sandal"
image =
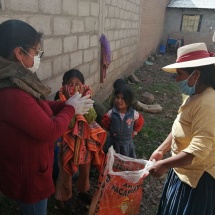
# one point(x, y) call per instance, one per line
point(85, 199)
point(60, 205)
point(63, 206)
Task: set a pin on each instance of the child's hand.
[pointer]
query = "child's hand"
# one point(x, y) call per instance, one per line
point(134, 134)
point(66, 90)
point(82, 89)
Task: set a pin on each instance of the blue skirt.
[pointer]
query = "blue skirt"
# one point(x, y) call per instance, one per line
point(179, 198)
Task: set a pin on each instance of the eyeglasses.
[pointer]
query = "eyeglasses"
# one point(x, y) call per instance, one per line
point(39, 51)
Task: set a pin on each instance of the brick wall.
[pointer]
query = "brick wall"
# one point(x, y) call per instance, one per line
point(121, 26)
point(72, 29)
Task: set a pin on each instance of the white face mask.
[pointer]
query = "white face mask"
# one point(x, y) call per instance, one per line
point(36, 64)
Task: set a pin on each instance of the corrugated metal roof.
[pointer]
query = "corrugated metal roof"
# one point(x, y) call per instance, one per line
point(201, 4)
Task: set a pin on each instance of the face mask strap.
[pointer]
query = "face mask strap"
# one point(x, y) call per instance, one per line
point(22, 63)
point(26, 51)
point(191, 74)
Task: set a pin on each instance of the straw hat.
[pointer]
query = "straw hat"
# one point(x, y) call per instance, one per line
point(192, 55)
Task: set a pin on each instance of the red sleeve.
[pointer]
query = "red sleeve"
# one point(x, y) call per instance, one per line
point(24, 112)
point(105, 122)
point(138, 124)
point(56, 106)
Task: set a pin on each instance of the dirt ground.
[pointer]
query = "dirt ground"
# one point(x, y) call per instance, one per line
point(152, 188)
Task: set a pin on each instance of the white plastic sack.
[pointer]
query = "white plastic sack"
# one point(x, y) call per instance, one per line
point(120, 185)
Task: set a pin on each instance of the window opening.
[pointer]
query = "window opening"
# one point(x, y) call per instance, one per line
point(191, 23)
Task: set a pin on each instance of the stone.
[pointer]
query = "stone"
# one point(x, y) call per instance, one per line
point(133, 78)
point(149, 108)
point(147, 98)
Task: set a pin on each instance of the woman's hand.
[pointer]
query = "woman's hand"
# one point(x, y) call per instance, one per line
point(80, 104)
point(156, 155)
point(162, 149)
point(158, 169)
point(161, 166)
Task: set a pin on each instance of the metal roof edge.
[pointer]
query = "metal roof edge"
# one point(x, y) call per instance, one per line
point(191, 7)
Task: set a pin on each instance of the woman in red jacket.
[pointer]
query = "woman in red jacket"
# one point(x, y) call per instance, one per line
point(29, 124)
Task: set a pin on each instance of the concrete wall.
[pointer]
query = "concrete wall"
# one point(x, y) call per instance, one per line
point(173, 23)
point(72, 29)
point(151, 28)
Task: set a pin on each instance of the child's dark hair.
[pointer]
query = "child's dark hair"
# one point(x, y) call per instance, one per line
point(71, 74)
point(118, 83)
point(126, 93)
